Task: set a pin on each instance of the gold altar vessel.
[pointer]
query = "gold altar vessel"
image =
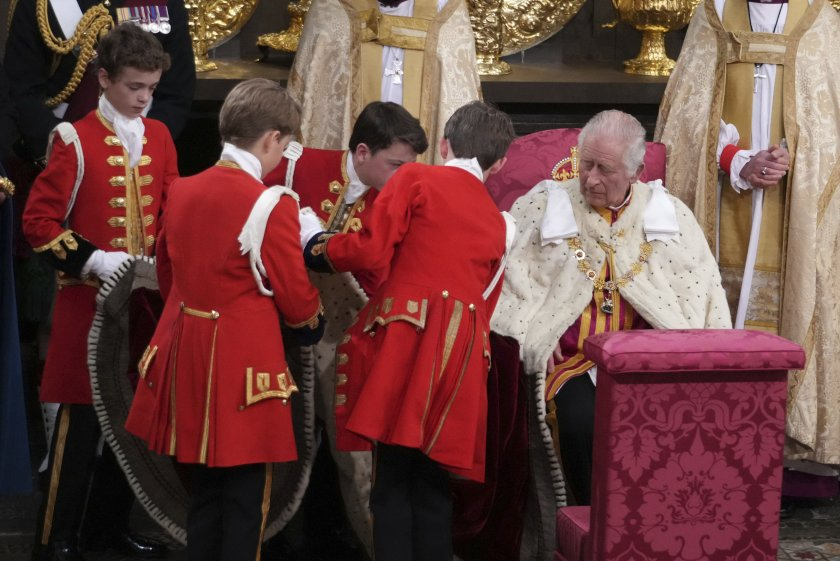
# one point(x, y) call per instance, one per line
point(287, 40)
point(212, 22)
point(653, 18)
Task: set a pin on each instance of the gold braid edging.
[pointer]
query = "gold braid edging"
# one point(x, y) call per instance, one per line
point(94, 23)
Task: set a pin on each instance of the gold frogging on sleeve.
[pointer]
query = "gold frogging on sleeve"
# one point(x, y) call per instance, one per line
point(264, 385)
point(59, 243)
point(312, 322)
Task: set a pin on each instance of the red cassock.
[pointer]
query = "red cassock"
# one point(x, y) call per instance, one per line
point(116, 209)
point(215, 385)
point(320, 179)
point(413, 368)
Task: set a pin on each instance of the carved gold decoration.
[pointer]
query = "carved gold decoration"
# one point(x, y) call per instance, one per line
point(653, 18)
point(530, 22)
point(836, 4)
point(286, 40)
point(212, 23)
point(486, 19)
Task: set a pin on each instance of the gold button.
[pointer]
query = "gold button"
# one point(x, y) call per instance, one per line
point(471, 307)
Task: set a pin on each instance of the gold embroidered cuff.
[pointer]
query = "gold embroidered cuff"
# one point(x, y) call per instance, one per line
point(60, 245)
point(311, 323)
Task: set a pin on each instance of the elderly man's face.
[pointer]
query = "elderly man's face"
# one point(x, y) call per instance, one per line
point(604, 180)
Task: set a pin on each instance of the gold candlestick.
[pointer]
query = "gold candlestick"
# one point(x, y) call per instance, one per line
point(488, 26)
point(287, 40)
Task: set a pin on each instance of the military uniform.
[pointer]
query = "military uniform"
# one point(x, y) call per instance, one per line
point(215, 384)
point(412, 371)
point(116, 208)
point(37, 73)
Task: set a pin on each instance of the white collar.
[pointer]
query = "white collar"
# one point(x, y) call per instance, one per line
point(470, 165)
point(244, 159)
point(558, 223)
point(129, 131)
point(355, 189)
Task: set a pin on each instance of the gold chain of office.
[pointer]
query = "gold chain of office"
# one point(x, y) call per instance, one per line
point(95, 23)
point(645, 249)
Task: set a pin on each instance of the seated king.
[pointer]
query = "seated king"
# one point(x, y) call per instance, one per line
point(597, 253)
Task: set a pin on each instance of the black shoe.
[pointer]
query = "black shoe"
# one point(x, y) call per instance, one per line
point(134, 545)
point(64, 551)
point(788, 508)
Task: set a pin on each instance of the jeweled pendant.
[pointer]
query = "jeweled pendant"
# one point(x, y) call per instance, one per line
point(607, 306)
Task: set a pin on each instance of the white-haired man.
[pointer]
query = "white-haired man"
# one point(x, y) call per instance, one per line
point(602, 252)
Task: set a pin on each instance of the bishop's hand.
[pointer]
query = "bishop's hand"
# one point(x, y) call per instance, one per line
point(767, 167)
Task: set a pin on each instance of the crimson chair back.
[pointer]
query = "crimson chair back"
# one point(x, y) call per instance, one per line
point(689, 436)
point(552, 154)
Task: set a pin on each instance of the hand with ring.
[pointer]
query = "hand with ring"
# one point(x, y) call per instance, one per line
point(767, 167)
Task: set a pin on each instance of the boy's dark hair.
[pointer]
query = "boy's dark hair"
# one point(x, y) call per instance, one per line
point(128, 45)
point(254, 107)
point(381, 123)
point(478, 130)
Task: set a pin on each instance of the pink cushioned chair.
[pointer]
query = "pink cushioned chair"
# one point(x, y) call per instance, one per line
point(688, 447)
point(552, 154)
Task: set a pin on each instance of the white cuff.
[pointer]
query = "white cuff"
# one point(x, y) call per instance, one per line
point(741, 158)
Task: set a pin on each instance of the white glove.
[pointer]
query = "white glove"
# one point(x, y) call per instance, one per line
point(310, 225)
point(104, 263)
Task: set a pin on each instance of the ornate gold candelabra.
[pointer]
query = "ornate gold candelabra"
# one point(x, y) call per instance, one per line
point(212, 22)
point(198, 32)
point(286, 40)
point(488, 26)
point(653, 18)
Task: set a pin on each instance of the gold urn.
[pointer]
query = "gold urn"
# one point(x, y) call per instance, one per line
point(654, 18)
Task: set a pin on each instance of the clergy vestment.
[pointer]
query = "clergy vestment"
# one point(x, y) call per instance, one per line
point(794, 281)
point(346, 59)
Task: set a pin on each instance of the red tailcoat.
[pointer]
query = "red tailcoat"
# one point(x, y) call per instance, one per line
point(414, 370)
point(214, 383)
point(320, 179)
point(107, 212)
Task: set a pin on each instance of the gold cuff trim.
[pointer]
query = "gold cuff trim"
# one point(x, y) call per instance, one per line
point(146, 360)
point(7, 186)
point(266, 387)
point(311, 323)
point(62, 281)
point(66, 238)
point(212, 314)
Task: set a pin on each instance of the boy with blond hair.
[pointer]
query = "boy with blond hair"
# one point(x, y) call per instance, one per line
point(215, 385)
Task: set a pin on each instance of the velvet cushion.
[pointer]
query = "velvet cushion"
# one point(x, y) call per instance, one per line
point(572, 532)
point(693, 350)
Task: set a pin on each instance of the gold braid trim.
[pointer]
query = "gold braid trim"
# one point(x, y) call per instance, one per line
point(6, 186)
point(94, 24)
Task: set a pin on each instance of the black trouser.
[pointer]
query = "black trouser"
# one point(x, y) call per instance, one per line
point(72, 470)
point(575, 403)
point(411, 506)
point(225, 521)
